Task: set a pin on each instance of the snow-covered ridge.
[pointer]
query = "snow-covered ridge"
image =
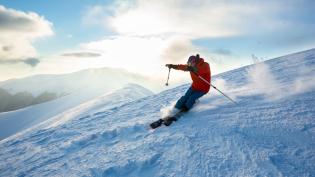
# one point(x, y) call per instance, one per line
point(117, 98)
point(65, 108)
point(20, 93)
point(271, 132)
point(104, 79)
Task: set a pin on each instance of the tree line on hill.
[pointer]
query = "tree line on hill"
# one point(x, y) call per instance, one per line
point(11, 102)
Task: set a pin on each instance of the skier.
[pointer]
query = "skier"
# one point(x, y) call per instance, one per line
point(197, 67)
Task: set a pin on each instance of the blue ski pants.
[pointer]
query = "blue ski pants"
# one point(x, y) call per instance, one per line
point(189, 99)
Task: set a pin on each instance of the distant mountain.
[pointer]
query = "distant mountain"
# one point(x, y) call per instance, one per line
point(99, 79)
point(19, 93)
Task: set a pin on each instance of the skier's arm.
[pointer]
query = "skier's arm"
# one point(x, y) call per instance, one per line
point(177, 67)
point(181, 67)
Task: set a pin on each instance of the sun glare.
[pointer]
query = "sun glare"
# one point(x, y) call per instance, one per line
point(137, 54)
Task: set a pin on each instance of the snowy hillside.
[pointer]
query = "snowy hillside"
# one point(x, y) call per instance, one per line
point(271, 132)
point(63, 108)
point(16, 94)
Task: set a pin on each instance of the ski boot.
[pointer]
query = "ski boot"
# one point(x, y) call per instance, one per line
point(156, 123)
point(169, 121)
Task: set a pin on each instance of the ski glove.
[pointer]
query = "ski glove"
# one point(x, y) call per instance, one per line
point(171, 66)
point(192, 69)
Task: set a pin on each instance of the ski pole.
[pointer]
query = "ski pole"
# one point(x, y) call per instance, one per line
point(216, 89)
point(168, 76)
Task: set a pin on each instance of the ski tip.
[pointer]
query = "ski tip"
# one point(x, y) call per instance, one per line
point(151, 130)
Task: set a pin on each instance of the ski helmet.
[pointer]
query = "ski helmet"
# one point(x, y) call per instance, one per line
point(192, 60)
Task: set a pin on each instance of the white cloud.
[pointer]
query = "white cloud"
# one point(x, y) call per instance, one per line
point(17, 32)
point(95, 15)
point(178, 49)
point(167, 18)
point(137, 54)
point(194, 19)
point(200, 18)
point(81, 54)
point(177, 23)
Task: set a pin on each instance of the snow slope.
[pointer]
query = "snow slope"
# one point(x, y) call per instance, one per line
point(79, 87)
point(66, 107)
point(271, 132)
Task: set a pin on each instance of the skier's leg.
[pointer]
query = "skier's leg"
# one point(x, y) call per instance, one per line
point(192, 99)
point(181, 102)
point(179, 107)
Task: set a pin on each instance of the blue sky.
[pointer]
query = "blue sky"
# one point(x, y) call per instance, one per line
point(142, 35)
point(66, 17)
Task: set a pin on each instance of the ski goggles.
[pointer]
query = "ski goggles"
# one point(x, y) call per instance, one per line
point(191, 62)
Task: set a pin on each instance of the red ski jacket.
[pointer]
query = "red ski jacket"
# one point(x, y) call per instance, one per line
point(203, 70)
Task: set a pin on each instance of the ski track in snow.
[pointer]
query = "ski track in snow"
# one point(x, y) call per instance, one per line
point(257, 137)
